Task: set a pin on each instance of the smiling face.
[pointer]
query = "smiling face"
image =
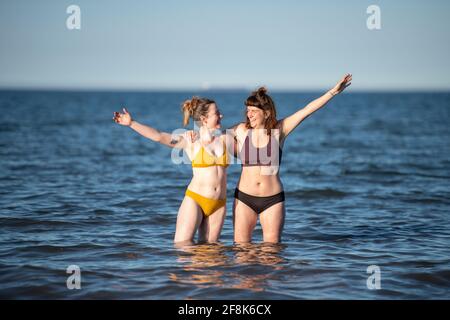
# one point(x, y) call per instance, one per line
point(256, 116)
point(212, 118)
point(260, 111)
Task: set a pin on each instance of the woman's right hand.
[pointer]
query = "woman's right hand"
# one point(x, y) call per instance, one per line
point(123, 118)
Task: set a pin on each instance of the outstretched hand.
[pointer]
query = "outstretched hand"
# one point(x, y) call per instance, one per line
point(123, 118)
point(342, 84)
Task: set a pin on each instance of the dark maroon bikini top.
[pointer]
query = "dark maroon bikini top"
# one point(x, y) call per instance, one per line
point(253, 156)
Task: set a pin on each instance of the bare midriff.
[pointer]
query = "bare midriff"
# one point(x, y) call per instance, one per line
point(260, 181)
point(209, 182)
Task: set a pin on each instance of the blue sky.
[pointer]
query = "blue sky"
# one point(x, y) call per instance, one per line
point(175, 44)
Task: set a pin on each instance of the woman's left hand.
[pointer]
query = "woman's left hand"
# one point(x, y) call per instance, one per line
point(342, 84)
point(123, 118)
point(193, 136)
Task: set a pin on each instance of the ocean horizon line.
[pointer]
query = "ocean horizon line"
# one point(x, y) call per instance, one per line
point(215, 90)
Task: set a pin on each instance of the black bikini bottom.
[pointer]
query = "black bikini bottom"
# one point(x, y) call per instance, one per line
point(258, 204)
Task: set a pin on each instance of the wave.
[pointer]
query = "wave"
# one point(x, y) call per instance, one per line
point(26, 222)
point(317, 193)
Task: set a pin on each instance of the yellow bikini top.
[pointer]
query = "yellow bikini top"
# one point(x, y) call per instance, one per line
point(205, 159)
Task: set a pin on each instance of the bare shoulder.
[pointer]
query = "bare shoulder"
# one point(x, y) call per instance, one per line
point(236, 126)
point(241, 131)
point(241, 128)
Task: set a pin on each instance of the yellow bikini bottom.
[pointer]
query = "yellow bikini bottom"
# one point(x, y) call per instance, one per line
point(208, 205)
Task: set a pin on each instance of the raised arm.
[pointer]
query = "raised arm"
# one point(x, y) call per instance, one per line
point(289, 123)
point(164, 138)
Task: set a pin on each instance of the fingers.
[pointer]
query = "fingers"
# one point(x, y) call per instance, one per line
point(191, 136)
point(117, 117)
point(346, 77)
point(122, 118)
point(346, 81)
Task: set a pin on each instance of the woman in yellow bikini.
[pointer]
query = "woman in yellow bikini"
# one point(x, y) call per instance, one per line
point(204, 205)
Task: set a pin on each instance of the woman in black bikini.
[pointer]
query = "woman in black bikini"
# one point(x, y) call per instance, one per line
point(260, 140)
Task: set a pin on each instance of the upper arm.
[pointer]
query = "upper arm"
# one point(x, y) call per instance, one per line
point(288, 124)
point(173, 140)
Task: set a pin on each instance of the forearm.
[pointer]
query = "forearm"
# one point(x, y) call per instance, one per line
point(170, 140)
point(291, 122)
point(318, 103)
point(146, 131)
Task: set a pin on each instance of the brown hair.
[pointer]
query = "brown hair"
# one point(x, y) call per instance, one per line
point(263, 101)
point(195, 108)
